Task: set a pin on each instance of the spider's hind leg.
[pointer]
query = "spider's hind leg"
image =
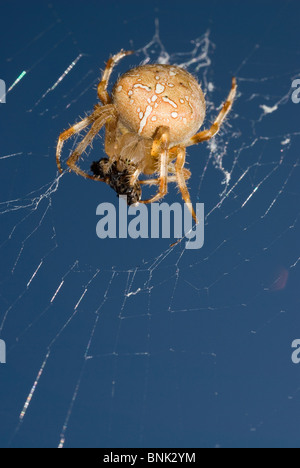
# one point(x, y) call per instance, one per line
point(102, 86)
point(206, 135)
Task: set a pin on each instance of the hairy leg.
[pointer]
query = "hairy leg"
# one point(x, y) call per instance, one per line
point(170, 178)
point(111, 128)
point(77, 128)
point(179, 166)
point(160, 153)
point(102, 86)
point(102, 118)
point(208, 134)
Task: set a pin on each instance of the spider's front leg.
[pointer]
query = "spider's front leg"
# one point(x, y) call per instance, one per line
point(98, 118)
point(64, 136)
point(180, 175)
point(159, 152)
point(170, 178)
point(106, 113)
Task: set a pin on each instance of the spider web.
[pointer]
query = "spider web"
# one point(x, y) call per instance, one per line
point(139, 343)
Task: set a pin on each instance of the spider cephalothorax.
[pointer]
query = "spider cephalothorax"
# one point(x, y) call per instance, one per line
point(151, 116)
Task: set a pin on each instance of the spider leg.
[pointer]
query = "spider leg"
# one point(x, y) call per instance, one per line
point(208, 134)
point(102, 117)
point(134, 177)
point(186, 172)
point(111, 133)
point(77, 128)
point(179, 167)
point(66, 135)
point(102, 86)
point(160, 151)
point(172, 178)
point(182, 174)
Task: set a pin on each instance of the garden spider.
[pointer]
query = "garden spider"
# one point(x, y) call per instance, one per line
point(152, 115)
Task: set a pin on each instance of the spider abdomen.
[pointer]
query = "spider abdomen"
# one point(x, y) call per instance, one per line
point(151, 96)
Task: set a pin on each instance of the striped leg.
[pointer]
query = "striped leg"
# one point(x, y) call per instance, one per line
point(96, 127)
point(179, 165)
point(98, 117)
point(102, 86)
point(208, 134)
point(77, 128)
point(160, 152)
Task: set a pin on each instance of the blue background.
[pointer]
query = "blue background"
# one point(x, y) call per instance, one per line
point(146, 345)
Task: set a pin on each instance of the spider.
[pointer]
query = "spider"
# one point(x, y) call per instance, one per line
point(152, 115)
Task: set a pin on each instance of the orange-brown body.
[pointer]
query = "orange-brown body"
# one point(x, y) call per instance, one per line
point(151, 96)
point(153, 114)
